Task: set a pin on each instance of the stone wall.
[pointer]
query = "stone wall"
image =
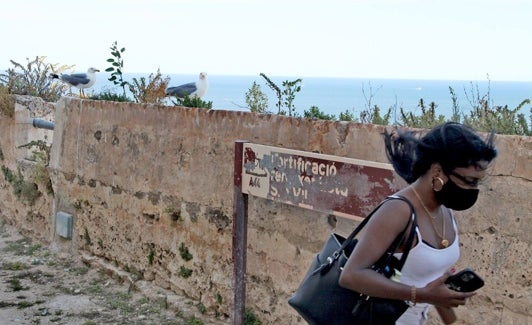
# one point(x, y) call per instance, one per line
point(150, 189)
point(18, 160)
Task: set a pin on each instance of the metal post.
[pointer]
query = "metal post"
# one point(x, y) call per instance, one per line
point(240, 225)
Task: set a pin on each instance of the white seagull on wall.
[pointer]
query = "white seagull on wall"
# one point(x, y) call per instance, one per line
point(79, 80)
point(192, 89)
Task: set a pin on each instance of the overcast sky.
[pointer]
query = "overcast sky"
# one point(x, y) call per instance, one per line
point(413, 39)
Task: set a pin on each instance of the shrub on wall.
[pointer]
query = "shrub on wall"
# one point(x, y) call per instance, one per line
point(194, 101)
point(24, 190)
point(153, 91)
point(34, 79)
point(7, 102)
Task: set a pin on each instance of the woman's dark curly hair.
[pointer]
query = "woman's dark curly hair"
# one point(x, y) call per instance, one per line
point(451, 144)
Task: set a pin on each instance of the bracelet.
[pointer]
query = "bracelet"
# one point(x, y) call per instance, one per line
point(413, 295)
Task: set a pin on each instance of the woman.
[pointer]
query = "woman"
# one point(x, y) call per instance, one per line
point(443, 170)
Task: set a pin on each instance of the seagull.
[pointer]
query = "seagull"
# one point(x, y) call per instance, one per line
point(78, 80)
point(192, 89)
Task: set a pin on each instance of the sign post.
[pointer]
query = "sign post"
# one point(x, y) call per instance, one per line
point(345, 187)
point(240, 238)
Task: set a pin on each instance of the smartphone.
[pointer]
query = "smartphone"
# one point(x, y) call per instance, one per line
point(465, 281)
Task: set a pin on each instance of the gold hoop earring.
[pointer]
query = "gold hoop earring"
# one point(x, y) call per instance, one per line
point(437, 189)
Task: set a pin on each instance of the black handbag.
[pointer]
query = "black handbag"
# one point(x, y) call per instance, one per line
point(320, 300)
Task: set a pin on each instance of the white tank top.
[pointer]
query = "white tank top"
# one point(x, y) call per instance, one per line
point(426, 263)
point(423, 265)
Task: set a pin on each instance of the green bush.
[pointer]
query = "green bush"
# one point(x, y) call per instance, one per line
point(24, 190)
point(482, 116)
point(185, 272)
point(41, 155)
point(347, 116)
point(193, 101)
point(427, 119)
point(315, 113)
point(250, 318)
point(373, 116)
point(184, 252)
point(256, 100)
point(499, 118)
point(193, 321)
point(110, 96)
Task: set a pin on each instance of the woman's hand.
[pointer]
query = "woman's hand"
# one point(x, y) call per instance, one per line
point(437, 293)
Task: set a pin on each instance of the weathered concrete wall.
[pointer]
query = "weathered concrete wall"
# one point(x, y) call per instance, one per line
point(18, 159)
point(150, 187)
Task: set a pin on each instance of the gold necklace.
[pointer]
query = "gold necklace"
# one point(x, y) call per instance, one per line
point(444, 241)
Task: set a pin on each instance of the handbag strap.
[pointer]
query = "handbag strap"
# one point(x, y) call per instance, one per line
point(323, 268)
point(401, 237)
point(396, 243)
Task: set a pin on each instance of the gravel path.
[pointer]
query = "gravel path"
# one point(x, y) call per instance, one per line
point(38, 286)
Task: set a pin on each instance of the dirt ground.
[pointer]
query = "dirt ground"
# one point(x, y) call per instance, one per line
point(38, 286)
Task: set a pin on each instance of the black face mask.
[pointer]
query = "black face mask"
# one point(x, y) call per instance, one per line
point(456, 198)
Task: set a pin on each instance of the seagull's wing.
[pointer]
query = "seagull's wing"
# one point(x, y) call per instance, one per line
point(76, 79)
point(182, 90)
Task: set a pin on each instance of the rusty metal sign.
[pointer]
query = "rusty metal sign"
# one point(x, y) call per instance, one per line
point(346, 187)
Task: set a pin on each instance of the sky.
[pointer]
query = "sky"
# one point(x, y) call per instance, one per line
point(405, 39)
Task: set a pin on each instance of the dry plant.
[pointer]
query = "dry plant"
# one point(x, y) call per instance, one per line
point(153, 91)
point(34, 79)
point(7, 102)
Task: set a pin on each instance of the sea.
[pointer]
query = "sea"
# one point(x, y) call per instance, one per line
point(333, 96)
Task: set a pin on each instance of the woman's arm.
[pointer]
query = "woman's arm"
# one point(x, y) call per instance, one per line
point(447, 314)
point(379, 233)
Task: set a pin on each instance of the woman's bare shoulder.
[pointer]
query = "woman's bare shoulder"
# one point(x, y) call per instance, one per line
point(394, 212)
